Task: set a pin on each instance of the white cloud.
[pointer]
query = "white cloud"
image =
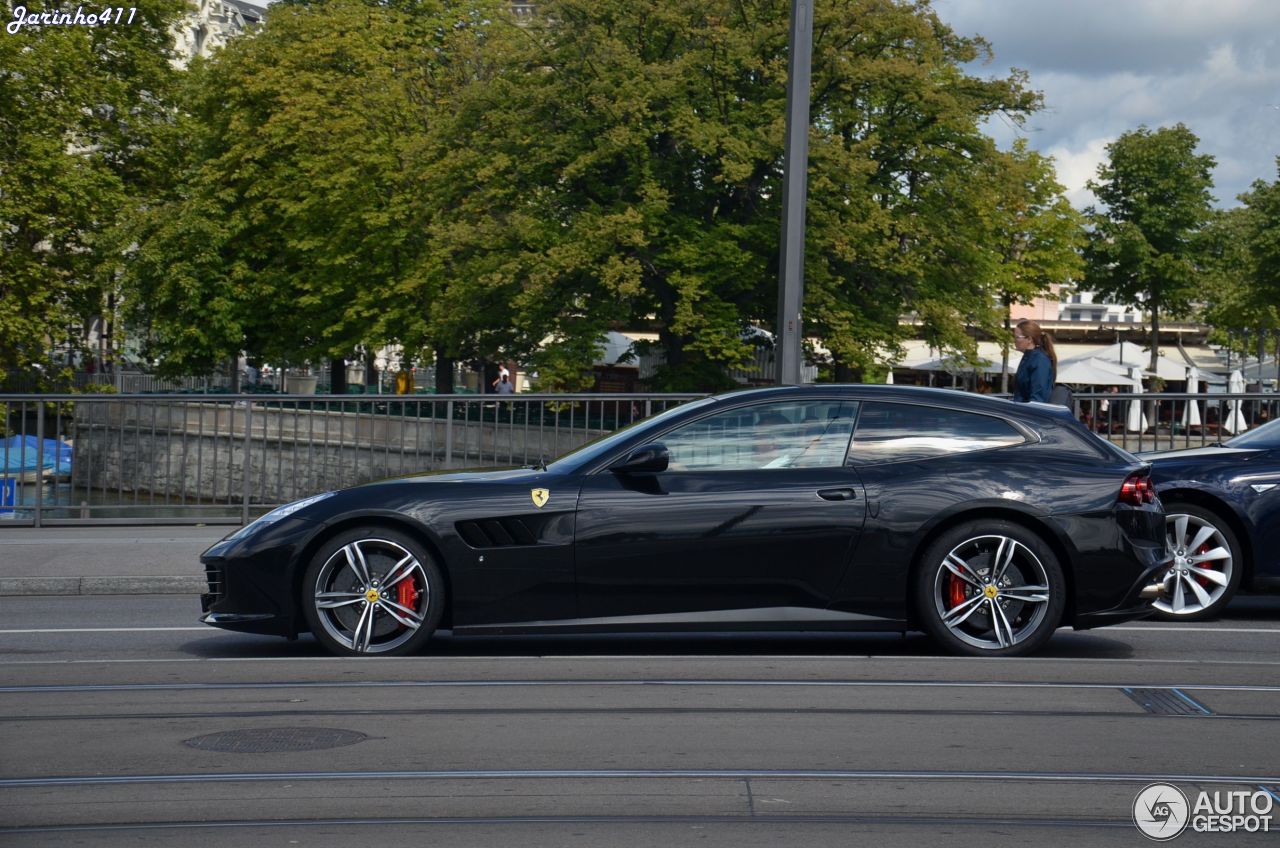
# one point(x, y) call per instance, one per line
point(1107, 67)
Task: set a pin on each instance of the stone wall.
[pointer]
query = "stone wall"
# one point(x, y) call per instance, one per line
point(197, 450)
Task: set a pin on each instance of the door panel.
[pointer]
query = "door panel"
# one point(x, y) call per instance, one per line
point(756, 511)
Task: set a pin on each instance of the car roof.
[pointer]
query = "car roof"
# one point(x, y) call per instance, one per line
point(1049, 413)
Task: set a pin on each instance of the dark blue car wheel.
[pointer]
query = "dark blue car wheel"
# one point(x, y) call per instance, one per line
point(1205, 565)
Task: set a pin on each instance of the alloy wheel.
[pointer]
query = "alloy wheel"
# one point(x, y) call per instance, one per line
point(1201, 565)
point(371, 596)
point(991, 592)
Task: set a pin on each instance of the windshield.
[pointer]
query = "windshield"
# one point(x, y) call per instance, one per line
point(1266, 437)
point(588, 453)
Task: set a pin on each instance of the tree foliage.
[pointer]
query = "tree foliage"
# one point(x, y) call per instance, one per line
point(83, 118)
point(297, 211)
point(628, 166)
point(1143, 248)
point(1035, 235)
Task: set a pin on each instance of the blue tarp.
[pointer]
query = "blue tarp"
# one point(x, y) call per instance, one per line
point(21, 454)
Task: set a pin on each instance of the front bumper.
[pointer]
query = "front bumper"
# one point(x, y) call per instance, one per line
point(251, 580)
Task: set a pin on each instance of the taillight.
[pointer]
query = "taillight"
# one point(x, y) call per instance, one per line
point(1138, 489)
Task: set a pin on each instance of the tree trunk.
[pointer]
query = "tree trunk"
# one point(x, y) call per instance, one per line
point(337, 376)
point(233, 373)
point(370, 370)
point(1004, 350)
point(1155, 335)
point(444, 372)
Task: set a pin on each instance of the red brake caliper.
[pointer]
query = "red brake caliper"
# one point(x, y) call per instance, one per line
point(955, 592)
point(407, 593)
point(1204, 549)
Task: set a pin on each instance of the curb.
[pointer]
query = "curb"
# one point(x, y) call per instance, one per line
point(103, 585)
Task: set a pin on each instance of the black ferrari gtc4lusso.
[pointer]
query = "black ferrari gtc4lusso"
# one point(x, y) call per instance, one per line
point(986, 523)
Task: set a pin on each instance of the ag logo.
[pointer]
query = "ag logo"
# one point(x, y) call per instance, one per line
point(1161, 812)
point(540, 497)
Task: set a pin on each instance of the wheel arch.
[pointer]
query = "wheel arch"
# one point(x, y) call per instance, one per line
point(1220, 507)
point(1025, 520)
point(395, 522)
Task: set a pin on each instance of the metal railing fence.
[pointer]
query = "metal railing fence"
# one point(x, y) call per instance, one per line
point(226, 458)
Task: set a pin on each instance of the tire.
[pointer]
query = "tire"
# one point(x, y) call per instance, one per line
point(956, 595)
point(1203, 577)
point(351, 608)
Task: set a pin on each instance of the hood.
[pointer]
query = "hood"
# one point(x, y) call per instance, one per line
point(475, 475)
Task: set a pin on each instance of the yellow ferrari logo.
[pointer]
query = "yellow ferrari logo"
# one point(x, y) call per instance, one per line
point(540, 497)
point(372, 596)
point(991, 591)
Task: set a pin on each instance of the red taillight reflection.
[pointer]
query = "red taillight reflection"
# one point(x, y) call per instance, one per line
point(1138, 490)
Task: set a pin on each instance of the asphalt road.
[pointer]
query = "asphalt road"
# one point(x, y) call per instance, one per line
point(125, 722)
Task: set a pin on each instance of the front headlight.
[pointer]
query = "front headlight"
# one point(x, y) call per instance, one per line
point(276, 514)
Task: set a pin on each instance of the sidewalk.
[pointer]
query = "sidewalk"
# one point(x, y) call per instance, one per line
point(104, 560)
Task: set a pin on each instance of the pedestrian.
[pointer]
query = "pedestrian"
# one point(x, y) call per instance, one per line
point(503, 386)
point(1038, 369)
point(503, 374)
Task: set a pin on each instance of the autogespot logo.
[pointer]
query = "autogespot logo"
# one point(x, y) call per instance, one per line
point(1161, 811)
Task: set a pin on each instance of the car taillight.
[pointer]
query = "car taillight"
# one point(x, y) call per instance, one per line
point(1138, 490)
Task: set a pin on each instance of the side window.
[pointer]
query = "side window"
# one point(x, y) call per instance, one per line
point(793, 434)
point(895, 432)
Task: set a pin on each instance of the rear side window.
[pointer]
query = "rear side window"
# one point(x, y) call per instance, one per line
point(898, 432)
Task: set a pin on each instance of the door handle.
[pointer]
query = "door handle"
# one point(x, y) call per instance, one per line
point(837, 494)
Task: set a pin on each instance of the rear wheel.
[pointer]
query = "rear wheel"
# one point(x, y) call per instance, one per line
point(990, 588)
point(1205, 565)
point(372, 590)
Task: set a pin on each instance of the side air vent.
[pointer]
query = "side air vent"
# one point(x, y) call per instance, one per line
point(496, 533)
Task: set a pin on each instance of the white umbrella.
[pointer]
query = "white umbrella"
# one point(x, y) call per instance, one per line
point(1137, 421)
point(1235, 422)
point(1191, 414)
point(1088, 371)
point(1129, 354)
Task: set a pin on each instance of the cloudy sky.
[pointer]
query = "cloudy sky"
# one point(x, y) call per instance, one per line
point(1107, 66)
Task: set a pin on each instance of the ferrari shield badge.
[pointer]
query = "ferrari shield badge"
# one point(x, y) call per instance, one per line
point(540, 497)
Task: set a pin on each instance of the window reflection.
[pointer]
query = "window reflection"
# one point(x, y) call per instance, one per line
point(895, 432)
point(807, 434)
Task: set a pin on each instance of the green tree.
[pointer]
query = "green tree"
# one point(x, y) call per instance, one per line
point(1242, 269)
point(626, 165)
point(298, 210)
point(81, 112)
point(1143, 248)
point(1036, 235)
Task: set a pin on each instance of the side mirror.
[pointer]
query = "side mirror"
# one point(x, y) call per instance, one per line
point(649, 458)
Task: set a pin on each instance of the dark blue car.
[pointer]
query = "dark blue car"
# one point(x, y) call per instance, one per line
point(1222, 507)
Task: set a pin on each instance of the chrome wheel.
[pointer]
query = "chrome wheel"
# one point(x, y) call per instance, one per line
point(1202, 565)
point(992, 592)
point(371, 596)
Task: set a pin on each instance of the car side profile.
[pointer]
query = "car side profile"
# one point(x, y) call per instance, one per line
point(986, 523)
point(1223, 522)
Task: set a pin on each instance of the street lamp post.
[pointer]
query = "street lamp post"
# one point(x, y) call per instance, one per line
point(794, 193)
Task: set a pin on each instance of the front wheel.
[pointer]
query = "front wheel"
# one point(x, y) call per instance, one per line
point(1205, 565)
point(990, 588)
point(372, 590)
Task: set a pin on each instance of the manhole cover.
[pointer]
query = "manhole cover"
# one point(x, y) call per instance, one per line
point(270, 740)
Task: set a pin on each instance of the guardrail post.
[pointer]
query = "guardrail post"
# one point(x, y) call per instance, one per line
point(248, 433)
point(448, 435)
point(39, 462)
